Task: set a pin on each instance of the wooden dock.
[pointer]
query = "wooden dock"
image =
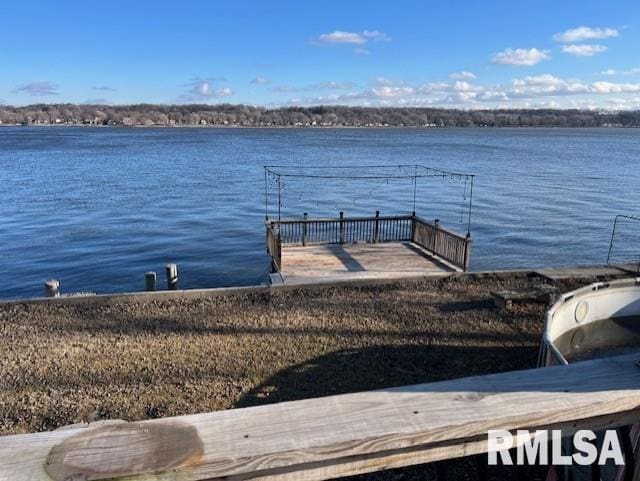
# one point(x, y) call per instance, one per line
point(381, 247)
point(360, 261)
point(336, 436)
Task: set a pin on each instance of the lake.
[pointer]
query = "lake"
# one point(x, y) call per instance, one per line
point(98, 207)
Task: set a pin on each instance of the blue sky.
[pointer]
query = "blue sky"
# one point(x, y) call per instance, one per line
point(466, 54)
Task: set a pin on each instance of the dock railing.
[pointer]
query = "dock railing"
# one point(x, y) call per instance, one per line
point(444, 243)
point(274, 247)
point(452, 247)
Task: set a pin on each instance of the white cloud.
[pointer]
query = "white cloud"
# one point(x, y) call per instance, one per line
point(224, 92)
point(358, 39)
point(520, 57)
point(339, 36)
point(391, 92)
point(38, 89)
point(539, 91)
point(611, 71)
point(376, 35)
point(464, 75)
point(584, 33)
point(610, 87)
point(583, 50)
point(545, 85)
point(460, 86)
point(260, 81)
point(204, 89)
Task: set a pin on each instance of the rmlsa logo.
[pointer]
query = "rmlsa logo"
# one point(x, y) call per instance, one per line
point(533, 448)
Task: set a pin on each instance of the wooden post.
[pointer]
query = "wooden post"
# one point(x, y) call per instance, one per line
point(304, 229)
point(434, 241)
point(172, 276)
point(150, 281)
point(341, 227)
point(467, 252)
point(376, 228)
point(413, 227)
point(52, 288)
point(278, 256)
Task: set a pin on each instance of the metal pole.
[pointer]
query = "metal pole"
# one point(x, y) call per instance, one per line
point(613, 233)
point(279, 198)
point(266, 194)
point(470, 204)
point(415, 183)
point(304, 230)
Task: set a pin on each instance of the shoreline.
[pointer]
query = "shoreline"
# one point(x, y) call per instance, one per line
point(328, 127)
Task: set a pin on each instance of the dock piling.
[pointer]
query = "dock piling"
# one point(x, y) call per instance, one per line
point(52, 288)
point(172, 276)
point(150, 281)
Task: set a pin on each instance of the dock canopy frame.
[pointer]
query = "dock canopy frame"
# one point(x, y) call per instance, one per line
point(274, 176)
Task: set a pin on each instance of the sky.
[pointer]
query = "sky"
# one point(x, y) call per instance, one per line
point(464, 54)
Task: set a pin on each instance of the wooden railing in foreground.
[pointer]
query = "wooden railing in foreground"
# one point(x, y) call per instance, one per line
point(448, 245)
point(335, 436)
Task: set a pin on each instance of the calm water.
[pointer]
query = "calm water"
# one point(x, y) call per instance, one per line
point(96, 208)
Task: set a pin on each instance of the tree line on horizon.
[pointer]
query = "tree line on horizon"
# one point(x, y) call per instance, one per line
point(318, 116)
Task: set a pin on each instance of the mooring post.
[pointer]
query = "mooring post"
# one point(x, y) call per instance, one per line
point(341, 227)
point(172, 276)
point(436, 228)
point(376, 227)
point(467, 252)
point(52, 288)
point(304, 229)
point(150, 281)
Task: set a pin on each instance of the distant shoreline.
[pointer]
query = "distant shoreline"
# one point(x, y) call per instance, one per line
point(322, 116)
point(319, 127)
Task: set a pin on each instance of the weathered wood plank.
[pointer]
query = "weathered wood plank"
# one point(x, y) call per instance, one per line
point(359, 261)
point(334, 436)
point(586, 272)
point(504, 299)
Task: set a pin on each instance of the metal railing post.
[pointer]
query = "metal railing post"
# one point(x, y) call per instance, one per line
point(376, 228)
point(341, 227)
point(304, 230)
